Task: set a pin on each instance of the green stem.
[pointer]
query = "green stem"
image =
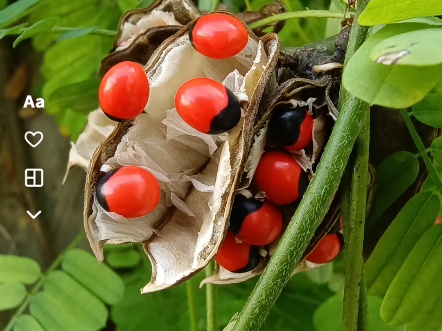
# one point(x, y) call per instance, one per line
point(41, 282)
point(63, 29)
point(248, 5)
point(353, 211)
point(191, 302)
point(311, 211)
point(297, 14)
point(363, 316)
point(422, 151)
point(212, 321)
point(214, 5)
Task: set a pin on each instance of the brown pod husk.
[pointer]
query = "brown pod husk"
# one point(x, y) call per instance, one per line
point(198, 177)
point(268, 10)
point(143, 30)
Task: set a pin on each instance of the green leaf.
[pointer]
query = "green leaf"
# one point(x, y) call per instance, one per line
point(322, 274)
point(39, 27)
point(395, 245)
point(72, 297)
point(126, 5)
point(51, 315)
point(27, 323)
point(411, 286)
point(80, 97)
point(389, 11)
point(11, 12)
point(429, 316)
point(76, 33)
point(389, 86)
point(436, 149)
point(394, 175)
point(18, 269)
point(416, 48)
point(120, 259)
point(11, 295)
point(429, 110)
point(14, 30)
point(72, 123)
point(328, 317)
point(97, 278)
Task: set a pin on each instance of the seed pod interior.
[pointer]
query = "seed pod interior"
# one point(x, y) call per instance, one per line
point(198, 173)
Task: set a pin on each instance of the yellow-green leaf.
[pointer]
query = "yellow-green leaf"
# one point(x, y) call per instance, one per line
point(389, 11)
point(39, 27)
point(409, 289)
point(395, 245)
point(27, 323)
point(18, 269)
point(11, 295)
point(97, 278)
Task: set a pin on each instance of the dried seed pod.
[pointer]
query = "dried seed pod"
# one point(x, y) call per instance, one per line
point(198, 173)
point(141, 31)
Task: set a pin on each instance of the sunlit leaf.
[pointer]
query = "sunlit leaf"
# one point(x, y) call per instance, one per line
point(395, 245)
point(37, 28)
point(11, 295)
point(394, 175)
point(429, 110)
point(18, 269)
point(11, 12)
point(76, 33)
point(389, 86)
point(409, 289)
point(436, 149)
point(388, 11)
point(418, 48)
point(51, 315)
point(72, 123)
point(72, 297)
point(16, 29)
point(328, 317)
point(126, 5)
point(429, 316)
point(97, 278)
point(27, 323)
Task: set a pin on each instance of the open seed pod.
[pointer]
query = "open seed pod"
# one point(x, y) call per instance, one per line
point(313, 92)
point(141, 31)
point(198, 173)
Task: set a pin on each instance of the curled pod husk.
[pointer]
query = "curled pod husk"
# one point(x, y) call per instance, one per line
point(141, 31)
point(198, 173)
point(268, 10)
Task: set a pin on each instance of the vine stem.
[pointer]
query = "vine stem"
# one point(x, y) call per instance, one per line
point(313, 206)
point(191, 302)
point(212, 322)
point(77, 240)
point(353, 206)
point(422, 150)
point(63, 29)
point(298, 14)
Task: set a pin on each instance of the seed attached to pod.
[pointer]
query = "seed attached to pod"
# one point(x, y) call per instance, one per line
point(280, 178)
point(218, 36)
point(326, 251)
point(129, 191)
point(124, 91)
point(255, 222)
point(237, 257)
point(292, 129)
point(207, 106)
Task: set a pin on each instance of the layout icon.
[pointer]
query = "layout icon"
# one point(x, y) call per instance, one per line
point(34, 177)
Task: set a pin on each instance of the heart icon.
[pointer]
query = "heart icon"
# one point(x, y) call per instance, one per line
point(33, 134)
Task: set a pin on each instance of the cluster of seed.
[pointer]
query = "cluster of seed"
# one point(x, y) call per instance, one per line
point(204, 104)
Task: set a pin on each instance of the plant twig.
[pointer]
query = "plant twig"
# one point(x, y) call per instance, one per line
point(353, 206)
point(311, 210)
point(363, 316)
point(191, 303)
point(298, 14)
point(63, 29)
point(422, 151)
point(212, 321)
point(42, 280)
